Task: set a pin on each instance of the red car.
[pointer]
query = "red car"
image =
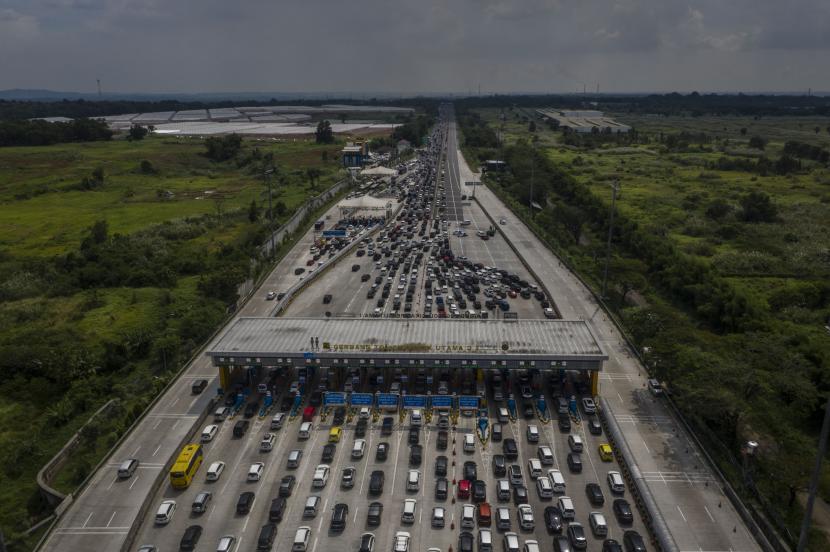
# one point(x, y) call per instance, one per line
point(463, 489)
point(309, 262)
point(512, 294)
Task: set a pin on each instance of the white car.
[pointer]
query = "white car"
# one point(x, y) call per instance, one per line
point(255, 471)
point(226, 544)
point(215, 470)
point(589, 406)
point(438, 517)
point(526, 517)
point(165, 512)
point(209, 433)
point(271, 295)
point(401, 542)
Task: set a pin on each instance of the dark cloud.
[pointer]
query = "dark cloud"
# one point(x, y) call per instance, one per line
point(428, 45)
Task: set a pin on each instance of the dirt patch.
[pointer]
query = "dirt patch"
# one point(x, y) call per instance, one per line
point(821, 513)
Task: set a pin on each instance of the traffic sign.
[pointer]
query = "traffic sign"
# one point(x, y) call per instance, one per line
point(308, 354)
point(414, 401)
point(441, 401)
point(468, 402)
point(334, 399)
point(388, 400)
point(362, 399)
point(334, 233)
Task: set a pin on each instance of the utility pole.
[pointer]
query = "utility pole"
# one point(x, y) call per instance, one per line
point(268, 174)
point(614, 188)
point(811, 497)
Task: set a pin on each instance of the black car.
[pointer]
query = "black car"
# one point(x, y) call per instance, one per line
point(287, 485)
point(509, 448)
point(416, 453)
point(623, 512)
point(553, 519)
point(240, 428)
point(191, 537)
point(339, 517)
point(610, 545)
point(197, 387)
point(470, 471)
point(376, 482)
point(564, 423)
point(527, 410)
point(365, 277)
point(414, 435)
point(519, 494)
point(594, 493)
point(360, 428)
point(277, 509)
point(441, 466)
point(441, 488)
point(339, 416)
point(374, 514)
point(367, 542)
point(633, 541)
point(575, 462)
point(499, 465)
point(382, 452)
point(465, 542)
point(243, 505)
point(286, 403)
point(355, 267)
point(251, 409)
point(479, 491)
point(595, 427)
point(327, 298)
point(443, 439)
point(576, 534)
point(267, 534)
point(315, 398)
point(328, 452)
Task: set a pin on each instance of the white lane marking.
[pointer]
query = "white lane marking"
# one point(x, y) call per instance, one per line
point(708, 513)
point(648, 450)
point(112, 483)
point(136, 451)
point(87, 520)
point(245, 525)
point(397, 453)
point(354, 519)
point(681, 513)
point(156, 451)
point(621, 399)
point(111, 518)
point(174, 425)
point(196, 398)
point(172, 404)
point(134, 481)
point(157, 423)
point(314, 546)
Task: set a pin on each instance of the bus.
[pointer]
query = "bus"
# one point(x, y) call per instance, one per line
point(186, 465)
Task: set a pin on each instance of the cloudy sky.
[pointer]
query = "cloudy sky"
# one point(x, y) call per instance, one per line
point(415, 46)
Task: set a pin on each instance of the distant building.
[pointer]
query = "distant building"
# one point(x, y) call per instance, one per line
point(355, 154)
point(404, 145)
point(582, 121)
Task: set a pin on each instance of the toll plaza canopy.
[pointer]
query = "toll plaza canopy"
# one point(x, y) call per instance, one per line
point(281, 341)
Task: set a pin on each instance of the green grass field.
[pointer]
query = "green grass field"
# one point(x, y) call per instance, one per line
point(92, 344)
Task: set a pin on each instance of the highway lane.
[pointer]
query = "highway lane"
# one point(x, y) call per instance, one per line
point(101, 515)
point(699, 515)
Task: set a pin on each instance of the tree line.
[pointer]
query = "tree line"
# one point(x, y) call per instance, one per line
point(43, 133)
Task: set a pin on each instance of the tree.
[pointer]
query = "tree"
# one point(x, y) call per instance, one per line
point(137, 132)
point(324, 156)
point(757, 142)
point(145, 167)
point(99, 231)
point(717, 209)
point(280, 208)
point(758, 207)
point(532, 126)
point(743, 131)
point(324, 134)
point(222, 148)
point(253, 211)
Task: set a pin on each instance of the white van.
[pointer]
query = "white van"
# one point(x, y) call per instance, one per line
point(469, 442)
point(305, 430)
point(209, 433)
point(221, 413)
point(544, 488)
point(531, 546)
point(468, 516)
point(557, 481)
point(294, 458)
point(504, 415)
point(278, 420)
point(534, 467)
point(598, 525)
point(532, 434)
point(359, 448)
point(566, 506)
point(301, 538)
point(321, 476)
point(615, 481)
point(409, 507)
point(416, 418)
point(545, 455)
point(364, 413)
point(503, 519)
point(311, 504)
point(485, 540)
point(127, 468)
point(267, 442)
point(413, 480)
point(575, 442)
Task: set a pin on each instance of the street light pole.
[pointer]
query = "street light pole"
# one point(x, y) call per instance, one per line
point(814, 480)
point(268, 174)
point(614, 187)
